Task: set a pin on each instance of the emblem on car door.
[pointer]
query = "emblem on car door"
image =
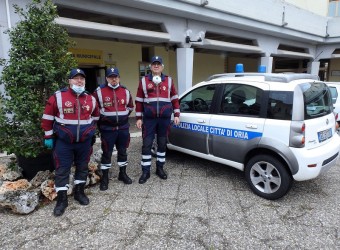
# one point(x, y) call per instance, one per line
point(327, 121)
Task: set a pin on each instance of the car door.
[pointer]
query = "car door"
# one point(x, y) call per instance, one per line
point(192, 132)
point(234, 131)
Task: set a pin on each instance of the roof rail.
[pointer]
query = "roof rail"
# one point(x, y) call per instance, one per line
point(273, 77)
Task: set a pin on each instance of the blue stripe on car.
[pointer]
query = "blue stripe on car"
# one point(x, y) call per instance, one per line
point(219, 131)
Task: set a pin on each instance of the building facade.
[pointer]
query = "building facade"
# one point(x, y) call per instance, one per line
point(196, 38)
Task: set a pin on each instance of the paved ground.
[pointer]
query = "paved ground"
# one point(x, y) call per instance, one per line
point(202, 205)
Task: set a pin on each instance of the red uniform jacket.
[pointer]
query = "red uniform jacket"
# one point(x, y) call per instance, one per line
point(159, 100)
point(115, 107)
point(70, 117)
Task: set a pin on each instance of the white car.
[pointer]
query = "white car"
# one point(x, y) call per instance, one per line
point(335, 92)
point(275, 127)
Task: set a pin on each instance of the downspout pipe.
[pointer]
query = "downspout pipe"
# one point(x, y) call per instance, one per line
point(8, 15)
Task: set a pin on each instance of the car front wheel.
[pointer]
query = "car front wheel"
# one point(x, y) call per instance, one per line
point(268, 177)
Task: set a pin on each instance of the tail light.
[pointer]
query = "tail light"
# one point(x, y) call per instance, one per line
point(336, 121)
point(297, 134)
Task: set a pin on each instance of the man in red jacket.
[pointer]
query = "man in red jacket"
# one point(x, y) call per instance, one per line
point(69, 122)
point(116, 104)
point(156, 100)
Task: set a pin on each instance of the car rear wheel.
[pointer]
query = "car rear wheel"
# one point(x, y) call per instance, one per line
point(268, 177)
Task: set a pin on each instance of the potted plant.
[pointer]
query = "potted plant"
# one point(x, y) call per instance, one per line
point(38, 64)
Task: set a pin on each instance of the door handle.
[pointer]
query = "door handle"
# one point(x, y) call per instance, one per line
point(201, 121)
point(254, 126)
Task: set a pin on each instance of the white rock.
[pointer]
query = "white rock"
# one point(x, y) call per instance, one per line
point(96, 156)
point(8, 186)
point(93, 178)
point(3, 170)
point(48, 190)
point(40, 177)
point(11, 175)
point(20, 201)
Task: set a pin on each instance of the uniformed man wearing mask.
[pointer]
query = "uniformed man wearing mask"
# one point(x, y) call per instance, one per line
point(69, 122)
point(156, 101)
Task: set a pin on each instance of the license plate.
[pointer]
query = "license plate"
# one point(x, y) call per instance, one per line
point(324, 135)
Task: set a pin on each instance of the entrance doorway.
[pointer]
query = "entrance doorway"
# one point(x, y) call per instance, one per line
point(93, 77)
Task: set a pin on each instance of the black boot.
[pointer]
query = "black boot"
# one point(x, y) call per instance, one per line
point(122, 176)
point(144, 177)
point(62, 203)
point(161, 174)
point(79, 194)
point(104, 181)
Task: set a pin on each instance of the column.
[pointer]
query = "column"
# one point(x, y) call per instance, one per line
point(268, 62)
point(185, 62)
point(313, 68)
point(4, 49)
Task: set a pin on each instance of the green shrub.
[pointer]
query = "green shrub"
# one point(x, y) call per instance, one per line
point(38, 64)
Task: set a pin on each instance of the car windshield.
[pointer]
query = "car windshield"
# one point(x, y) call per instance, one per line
point(317, 99)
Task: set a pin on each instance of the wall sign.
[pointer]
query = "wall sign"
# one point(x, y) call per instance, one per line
point(87, 56)
point(335, 73)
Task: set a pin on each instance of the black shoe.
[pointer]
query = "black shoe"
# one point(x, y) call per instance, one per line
point(144, 177)
point(104, 181)
point(62, 203)
point(79, 194)
point(122, 176)
point(161, 174)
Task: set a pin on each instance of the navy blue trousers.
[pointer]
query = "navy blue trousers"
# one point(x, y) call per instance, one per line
point(152, 126)
point(65, 154)
point(110, 138)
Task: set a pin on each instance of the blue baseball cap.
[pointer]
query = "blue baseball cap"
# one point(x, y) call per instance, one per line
point(156, 59)
point(75, 72)
point(112, 71)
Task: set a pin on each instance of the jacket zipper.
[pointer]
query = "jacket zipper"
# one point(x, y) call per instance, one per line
point(157, 93)
point(78, 126)
point(116, 107)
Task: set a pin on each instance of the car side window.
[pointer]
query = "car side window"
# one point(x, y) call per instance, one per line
point(280, 104)
point(241, 100)
point(198, 100)
point(334, 93)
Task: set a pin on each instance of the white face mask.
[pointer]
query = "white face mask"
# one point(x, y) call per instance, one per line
point(156, 79)
point(113, 86)
point(78, 89)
